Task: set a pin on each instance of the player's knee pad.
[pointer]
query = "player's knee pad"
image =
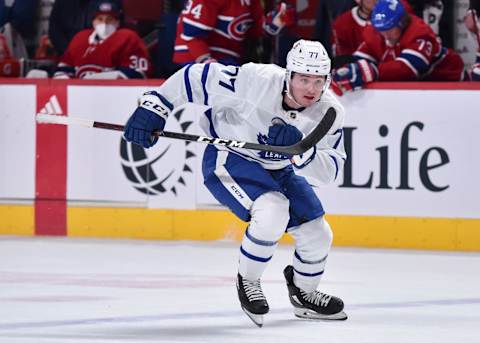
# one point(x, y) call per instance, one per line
point(312, 239)
point(270, 215)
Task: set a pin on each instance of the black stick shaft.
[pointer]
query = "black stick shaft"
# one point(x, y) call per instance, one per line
point(299, 148)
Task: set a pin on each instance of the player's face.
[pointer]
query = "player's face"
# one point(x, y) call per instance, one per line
point(306, 89)
point(368, 5)
point(392, 36)
point(105, 19)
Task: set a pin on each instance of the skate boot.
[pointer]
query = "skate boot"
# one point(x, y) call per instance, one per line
point(252, 300)
point(313, 305)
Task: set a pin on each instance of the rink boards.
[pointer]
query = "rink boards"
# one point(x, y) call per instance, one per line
point(411, 180)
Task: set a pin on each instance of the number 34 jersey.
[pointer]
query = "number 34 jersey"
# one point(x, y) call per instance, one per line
point(123, 50)
point(216, 28)
point(241, 103)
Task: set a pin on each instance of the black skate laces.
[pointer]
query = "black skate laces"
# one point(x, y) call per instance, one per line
point(316, 297)
point(253, 290)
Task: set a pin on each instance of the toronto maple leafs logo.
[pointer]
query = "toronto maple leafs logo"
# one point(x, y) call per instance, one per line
point(268, 155)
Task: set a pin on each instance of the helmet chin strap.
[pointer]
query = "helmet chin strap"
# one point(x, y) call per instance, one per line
point(288, 76)
point(290, 96)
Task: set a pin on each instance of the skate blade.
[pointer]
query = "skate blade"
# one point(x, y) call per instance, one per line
point(309, 314)
point(256, 318)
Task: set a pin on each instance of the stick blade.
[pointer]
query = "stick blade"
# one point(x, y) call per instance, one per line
point(317, 134)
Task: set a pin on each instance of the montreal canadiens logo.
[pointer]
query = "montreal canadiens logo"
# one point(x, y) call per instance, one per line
point(88, 69)
point(239, 26)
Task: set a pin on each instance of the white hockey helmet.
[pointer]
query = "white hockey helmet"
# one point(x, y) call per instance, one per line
point(308, 57)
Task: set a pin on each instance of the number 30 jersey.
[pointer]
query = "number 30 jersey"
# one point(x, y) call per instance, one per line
point(241, 103)
point(123, 51)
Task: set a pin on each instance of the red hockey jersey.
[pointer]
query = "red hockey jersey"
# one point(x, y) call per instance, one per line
point(216, 28)
point(347, 30)
point(417, 55)
point(123, 51)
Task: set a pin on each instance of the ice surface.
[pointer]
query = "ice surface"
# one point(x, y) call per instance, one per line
point(86, 290)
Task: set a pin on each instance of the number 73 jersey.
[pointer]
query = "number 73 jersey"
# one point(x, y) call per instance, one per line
point(418, 55)
point(243, 102)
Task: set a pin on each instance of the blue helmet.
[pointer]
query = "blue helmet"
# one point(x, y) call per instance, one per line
point(387, 14)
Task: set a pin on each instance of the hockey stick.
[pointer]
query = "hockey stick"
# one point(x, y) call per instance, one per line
point(296, 149)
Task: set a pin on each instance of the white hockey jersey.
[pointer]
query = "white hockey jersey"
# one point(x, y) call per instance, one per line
point(244, 101)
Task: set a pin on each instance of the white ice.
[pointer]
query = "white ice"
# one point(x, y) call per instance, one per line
point(85, 290)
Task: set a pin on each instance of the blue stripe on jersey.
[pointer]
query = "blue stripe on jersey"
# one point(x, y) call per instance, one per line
point(336, 165)
point(310, 262)
point(204, 82)
point(194, 31)
point(339, 138)
point(213, 133)
point(259, 241)
point(253, 257)
point(308, 274)
point(417, 62)
point(188, 86)
point(222, 25)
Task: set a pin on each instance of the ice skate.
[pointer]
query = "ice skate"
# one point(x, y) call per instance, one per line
point(313, 305)
point(252, 300)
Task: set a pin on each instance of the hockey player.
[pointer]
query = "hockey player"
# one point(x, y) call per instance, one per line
point(215, 30)
point(398, 47)
point(347, 29)
point(106, 51)
point(273, 192)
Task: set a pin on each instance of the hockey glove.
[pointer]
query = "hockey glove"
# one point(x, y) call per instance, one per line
point(283, 134)
point(354, 76)
point(279, 18)
point(432, 12)
point(150, 116)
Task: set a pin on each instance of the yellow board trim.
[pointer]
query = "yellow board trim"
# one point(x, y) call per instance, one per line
point(404, 232)
point(17, 220)
point(354, 231)
point(153, 224)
